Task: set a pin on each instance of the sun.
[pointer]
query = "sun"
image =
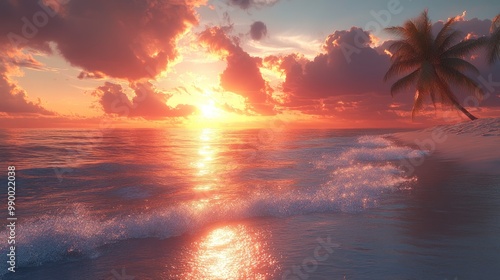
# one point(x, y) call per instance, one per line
point(209, 110)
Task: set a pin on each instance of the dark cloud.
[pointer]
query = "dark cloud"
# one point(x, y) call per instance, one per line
point(147, 103)
point(122, 39)
point(348, 66)
point(246, 4)
point(90, 75)
point(242, 74)
point(258, 30)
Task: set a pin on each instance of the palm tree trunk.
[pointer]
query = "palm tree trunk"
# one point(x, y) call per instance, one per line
point(463, 110)
point(444, 87)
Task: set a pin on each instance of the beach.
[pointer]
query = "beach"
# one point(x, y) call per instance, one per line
point(473, 144)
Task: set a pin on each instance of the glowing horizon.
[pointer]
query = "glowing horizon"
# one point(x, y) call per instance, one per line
point(216, 64)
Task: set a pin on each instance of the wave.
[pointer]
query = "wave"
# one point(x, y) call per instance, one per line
point(358, 176)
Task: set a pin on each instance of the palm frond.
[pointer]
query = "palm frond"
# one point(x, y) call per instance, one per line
point(495, 24)
point(400, 67)
point(493, 48)
point(438, 96)
point(402, 48)
point(444, 33)
point(451, 75)
point(418, 104)
point(448, 41)
point(422, 22)
point(425, 37)
point(464, 48)
point(427, 75)
point(396, 30)
point(414, 36)
point(434, 98)
point(405, 82)
point(459, 64)
point(446, 92)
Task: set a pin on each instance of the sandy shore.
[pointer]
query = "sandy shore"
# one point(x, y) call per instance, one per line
point(474, 144)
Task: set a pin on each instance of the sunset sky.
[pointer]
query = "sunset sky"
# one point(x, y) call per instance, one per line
point(224, 63)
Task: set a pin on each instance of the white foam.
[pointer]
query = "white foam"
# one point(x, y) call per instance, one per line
point(374, 141)
point(369, 149)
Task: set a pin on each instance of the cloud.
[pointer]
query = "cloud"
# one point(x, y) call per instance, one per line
point(247, 4)
point(13, 99)
point(258, 30)
point(90, 75)
point(242, 75)
point(347, 66)
point(121, 39)
point(148, 102)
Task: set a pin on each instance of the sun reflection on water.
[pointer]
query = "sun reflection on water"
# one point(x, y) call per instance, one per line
point(207, 134)
point(226, 252)
point(232, 252)
point(204, 165)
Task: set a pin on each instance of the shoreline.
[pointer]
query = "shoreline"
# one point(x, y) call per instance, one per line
point(474, 145)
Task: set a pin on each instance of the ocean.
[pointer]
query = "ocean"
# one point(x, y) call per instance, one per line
point(273, 203)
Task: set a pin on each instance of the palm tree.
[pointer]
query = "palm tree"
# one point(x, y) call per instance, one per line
point(493, 47)
point(431, 63)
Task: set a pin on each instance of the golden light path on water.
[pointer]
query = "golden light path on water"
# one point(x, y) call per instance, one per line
point(226, 251)
point(232, 252)
point(205, 173)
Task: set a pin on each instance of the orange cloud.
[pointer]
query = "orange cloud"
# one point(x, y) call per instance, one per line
point(242, 75)
point(148, 102)
point(14, 99)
